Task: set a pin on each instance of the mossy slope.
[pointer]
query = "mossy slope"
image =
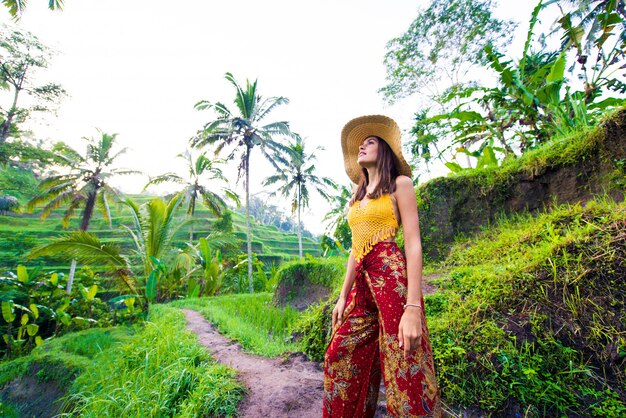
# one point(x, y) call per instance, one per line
point(571, 169)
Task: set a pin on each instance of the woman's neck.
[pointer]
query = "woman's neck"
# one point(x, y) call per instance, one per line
point(373, 178)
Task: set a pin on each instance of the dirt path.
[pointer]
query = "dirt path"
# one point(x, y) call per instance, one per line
point(276, 387)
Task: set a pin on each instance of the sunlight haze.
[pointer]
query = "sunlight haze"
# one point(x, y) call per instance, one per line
point(136, 68)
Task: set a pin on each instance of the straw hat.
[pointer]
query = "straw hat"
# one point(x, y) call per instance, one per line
point(362, 127)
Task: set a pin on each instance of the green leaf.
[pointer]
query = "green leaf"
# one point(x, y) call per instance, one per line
point(91, 293)
point(34, 310)
point(192, 289)
point(54, 279)
point(130, 302)
point(22, 274)
point(24, 319)
point(151, 285)
point(454, 167)
point(7, 311)
point(38, 341)
point(487, 158)
point(466, 116)
point(557, 71)
point(32, 329)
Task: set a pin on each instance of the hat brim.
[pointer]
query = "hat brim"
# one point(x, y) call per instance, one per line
point(355, 132)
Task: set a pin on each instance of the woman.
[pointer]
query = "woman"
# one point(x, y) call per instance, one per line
point(378, 322)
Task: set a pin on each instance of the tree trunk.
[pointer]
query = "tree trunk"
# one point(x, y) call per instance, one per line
point(5, 128)
point(193, 211)
point(70, 279)
point(299, 225)
point(248, 232)
point(84, 225)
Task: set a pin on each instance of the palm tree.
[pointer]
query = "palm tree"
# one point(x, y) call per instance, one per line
point(85, 184)
point(293, 175)
point(243, 131)
point(194, 190)
point(337, 214)
point(16, 7)
point(154, 225)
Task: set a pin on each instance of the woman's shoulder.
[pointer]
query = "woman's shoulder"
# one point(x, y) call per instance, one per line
point(404, 188)
point(404, 182)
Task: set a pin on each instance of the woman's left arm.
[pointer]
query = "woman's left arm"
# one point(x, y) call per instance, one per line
point(410, 330)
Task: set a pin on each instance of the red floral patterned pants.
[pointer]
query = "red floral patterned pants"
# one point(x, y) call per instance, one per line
point(366, 344)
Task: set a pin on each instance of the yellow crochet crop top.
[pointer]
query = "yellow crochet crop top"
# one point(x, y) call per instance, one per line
point(370, 224)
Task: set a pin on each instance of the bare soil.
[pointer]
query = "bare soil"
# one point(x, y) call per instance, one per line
point(276, 387)
point(33, 398)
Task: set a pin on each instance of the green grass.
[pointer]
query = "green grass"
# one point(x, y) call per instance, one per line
point(19, 234)
point(60, 360)
point(150, 370)
point(529, 312)
point(160, 371)
point(251, 319)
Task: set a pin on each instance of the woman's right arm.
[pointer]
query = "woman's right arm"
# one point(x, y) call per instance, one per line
point(345, 290)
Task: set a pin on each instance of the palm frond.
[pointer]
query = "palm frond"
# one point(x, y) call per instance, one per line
point(103, 205)
point(270, 104)
point(88, 249)
point(213, 202)
point(61, 199)
point(55, 180)
point(278, 128)
point(75, 202)
point(232, 195)
point(123, 172)
point(218, 240)
point(49, 195)
point(85, 248)
point(68, 154)
point(165, 178)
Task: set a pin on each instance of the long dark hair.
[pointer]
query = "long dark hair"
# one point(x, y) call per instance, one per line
point(388, 171)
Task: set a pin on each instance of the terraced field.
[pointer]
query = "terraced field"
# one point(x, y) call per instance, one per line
point(18, 234)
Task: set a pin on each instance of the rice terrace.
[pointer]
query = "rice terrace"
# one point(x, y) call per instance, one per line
point(174, 204)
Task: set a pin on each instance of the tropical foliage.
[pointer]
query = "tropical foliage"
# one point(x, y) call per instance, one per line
point(338, 227)
point(295, 172)
point(16, 7)
point(243, 130)
point(202, 169)
point(85, 183)
point(534, 99)
point(22, 57)
point(35, 307)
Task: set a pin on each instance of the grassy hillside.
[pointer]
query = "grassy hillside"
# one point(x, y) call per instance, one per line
point(569, 169)
point(18, 234)
point(154, 369)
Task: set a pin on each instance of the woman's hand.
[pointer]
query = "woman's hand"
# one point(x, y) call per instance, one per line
point(338, 311)
point(410, 330)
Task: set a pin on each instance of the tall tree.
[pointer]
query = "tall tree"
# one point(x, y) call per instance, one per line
point(294, 176)
point(22, 56)
point(85, 183)
point(442, 44)
point(199, 170)
point(243, 130)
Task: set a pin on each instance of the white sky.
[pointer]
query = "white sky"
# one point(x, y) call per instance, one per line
point(137, 67)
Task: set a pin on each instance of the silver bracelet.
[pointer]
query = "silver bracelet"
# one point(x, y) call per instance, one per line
point(412, 304)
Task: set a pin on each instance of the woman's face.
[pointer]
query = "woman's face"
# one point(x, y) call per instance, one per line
point(368, 152)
